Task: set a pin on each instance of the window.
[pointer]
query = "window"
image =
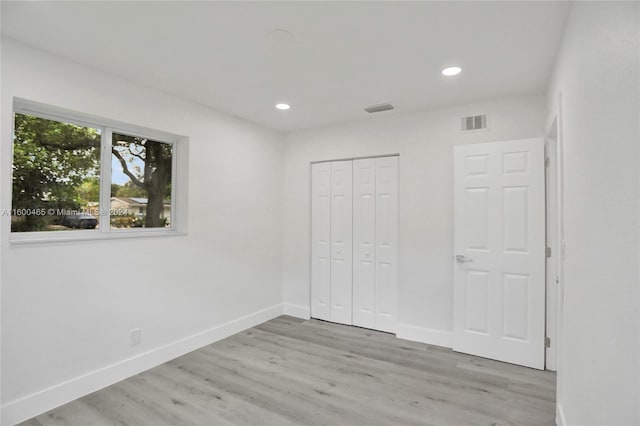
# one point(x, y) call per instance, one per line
point(76, 176)
point(56, 171)
point(140, 177)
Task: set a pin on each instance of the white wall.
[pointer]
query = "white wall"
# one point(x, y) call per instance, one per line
point(425, 143)
point(67, 308)
point(598, 75)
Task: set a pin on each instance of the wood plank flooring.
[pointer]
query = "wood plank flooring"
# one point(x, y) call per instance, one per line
point(290, 371)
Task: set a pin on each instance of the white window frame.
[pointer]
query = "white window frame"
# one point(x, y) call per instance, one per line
point(107, 127)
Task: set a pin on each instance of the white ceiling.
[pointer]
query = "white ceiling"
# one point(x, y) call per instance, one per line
point(343, 56)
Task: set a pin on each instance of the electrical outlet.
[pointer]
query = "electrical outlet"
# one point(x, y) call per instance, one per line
point(136, 336)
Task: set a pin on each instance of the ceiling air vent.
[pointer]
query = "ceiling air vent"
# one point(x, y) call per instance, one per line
point(474, 122)
point(379, 108)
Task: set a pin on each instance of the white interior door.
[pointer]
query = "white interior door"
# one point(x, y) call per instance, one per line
point(364, 240)
point(321, 241)
point(386, 220)
point(499, 270)
point(341, 241)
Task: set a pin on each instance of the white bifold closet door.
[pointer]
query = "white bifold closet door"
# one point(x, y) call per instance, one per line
point(354, 235)
point(341, 241)
point(321, 241)
point(375, 241)
point(364, 242)
point(386, 243)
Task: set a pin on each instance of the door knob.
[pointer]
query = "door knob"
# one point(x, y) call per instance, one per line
point(461, 258)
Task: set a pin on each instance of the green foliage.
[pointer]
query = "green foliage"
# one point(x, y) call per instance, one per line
point(114, 189)
point(89, 191)
point(123, 221)
point(51, 161)
point(131, 190)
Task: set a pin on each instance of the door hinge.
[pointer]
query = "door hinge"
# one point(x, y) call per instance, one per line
point(548, 251)
point(546, 161)
point(547, 342)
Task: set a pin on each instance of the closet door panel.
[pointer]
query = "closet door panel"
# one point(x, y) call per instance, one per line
point(364, 237)
point(386, 263)
point(341, 241)
point(321, 241)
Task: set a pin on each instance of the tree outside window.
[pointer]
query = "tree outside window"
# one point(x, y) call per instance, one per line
point(56, 178)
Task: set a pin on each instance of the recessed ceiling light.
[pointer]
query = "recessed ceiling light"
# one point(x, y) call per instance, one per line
point(449, 71)
point(283, 106)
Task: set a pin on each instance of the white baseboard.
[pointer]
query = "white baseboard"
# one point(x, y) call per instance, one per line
point(560, 420)
point(297, 311)
point(424, 335)
point(37, 403)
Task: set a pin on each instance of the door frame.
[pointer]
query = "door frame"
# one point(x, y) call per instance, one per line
point(554, 132)
point(554, 178)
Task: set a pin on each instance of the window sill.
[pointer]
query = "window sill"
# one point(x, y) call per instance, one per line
point(18, 238)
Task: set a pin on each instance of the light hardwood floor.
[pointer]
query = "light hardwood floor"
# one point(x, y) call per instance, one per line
point(290, 371)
